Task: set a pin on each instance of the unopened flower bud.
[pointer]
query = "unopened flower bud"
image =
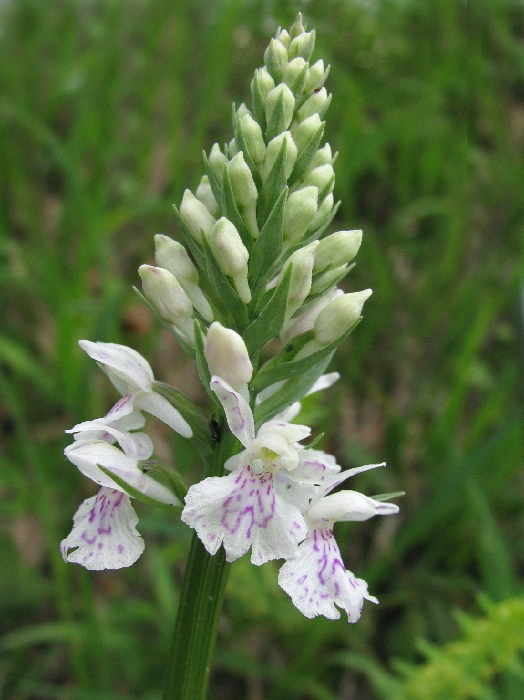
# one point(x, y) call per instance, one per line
point(323, 156)
point(275, 58)
point(262, 83)
point(280, 93)
point(231, 255)
point(217, 160)
point(273, 150)
point(337, 249)
point(293, 70)
point(301, 209)
point(253, 137)
point(283, 37)
point(244, 188)
point(301, 263)
point(297, 27)
point(302, 45)
point(317, 103)
point(323, 213)
point(167, 296)
point(321, 177)
point(242, 110)
point(172, 256)
point(328, 279)
point(232, 148)
point(306, 320)
point(339, 315)
point(227, 356)
point(195, 216)
point(316, 76)
point(205, 194)
point(306, 130)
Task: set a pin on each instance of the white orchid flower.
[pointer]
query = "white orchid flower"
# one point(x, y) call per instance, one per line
point(133, 377)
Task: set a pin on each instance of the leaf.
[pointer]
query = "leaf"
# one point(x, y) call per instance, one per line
point(277, 123)
point(306, 156)
point(272, 188)
point(268, 244)
point(134, 493)
point(297, 86)
point(270, 321)
point(230, 210)
point(169, 475)
point(213, 181)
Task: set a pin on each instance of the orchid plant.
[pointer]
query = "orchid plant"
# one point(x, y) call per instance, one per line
point(258, 265)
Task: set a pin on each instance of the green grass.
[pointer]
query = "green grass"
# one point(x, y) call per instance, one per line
point(105, 109)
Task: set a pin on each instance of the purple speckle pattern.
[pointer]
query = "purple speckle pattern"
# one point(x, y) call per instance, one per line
point(104, 535)
point(242, 510)
point(317, 580)
point(238, 413)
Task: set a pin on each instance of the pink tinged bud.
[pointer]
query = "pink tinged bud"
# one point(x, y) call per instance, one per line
point(231, 255)
point(167, 296)
point(339, 315)
point(301, 209)
point(323, 213)
point(337, 249)
point(275, 58)
point(204, 193)
point(195, 217)
point(217, 160)
point(253, 137)
point(227, 356)
point(273, 149)
point(242, 183)
point(318, 102)
point(306, 130)
point(280, 92)
point(301, 263)
point(172, 256)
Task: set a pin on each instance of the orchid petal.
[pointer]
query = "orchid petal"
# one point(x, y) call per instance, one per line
point(238, 413)
point(349, 506)
point(289, 413)
point(160, 407)
point(136, 445)
point(324, 382)
point(104, 535)
point(338, 479)
point(122, 363)
point(292, 432)
point(314, 467)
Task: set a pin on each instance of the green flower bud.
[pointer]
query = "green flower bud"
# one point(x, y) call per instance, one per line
point(195, 217)
point(339, 315)
point(306, 320)
point(244, 188)
point(306, 130)
point(318, 102)
point(172, 256)
point(217, 160)
point(323, 213)
point(262, 83)
point(227, 356)
point(273, 149)
point(231, 255)
point(204, 193)
point(167, 296)
point(323, 156)
point(301, 263)
point(254, 139)
point(321, 177)
point(281, 91)
point(302, 45)
point(297, 27)
point(242, 110)
point(316, 76)
point(301, 208)
point(293, 70)
point(275, 58)
point(283, 37)
point(337, 249)
point(328, 279)
point(232, 148)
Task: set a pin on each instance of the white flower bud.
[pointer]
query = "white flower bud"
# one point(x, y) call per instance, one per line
point(302, 45)
point(244, 188)
point(204, 193)
point(227, 356)
point(231, 255)
point(195, 217)
point(321, 177)
point(172, 256)
point(283, 37)
point(348, 506)
point(301, 209)
point(318, 102)
point(254, 139)
point(217, 160)
point(293, 70)
point(323, 213)
point(315, 76)
point(328, 279)
point(262, 83)
point(167, 296)
point(339, 315)
point(337, 249)
point(232, 148)
point(301, 263)
point(280, 92)
point(297, 27)
point(275, 58)
point(306, 130)
point(273, 149)
point(323, 156)
point(242, 110)
point(306, 320)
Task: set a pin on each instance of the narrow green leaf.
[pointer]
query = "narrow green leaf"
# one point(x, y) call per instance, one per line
point(268, 244)
point(213, 181)
point(273, 186)
point(230, 210)
point(277, 122)
point(168, 474)
point(297, 86)
point(134, 493)
point(270, 321)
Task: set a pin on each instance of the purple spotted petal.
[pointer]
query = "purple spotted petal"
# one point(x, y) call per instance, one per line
point(317, 580)
point(238, 413)
point(242, 510)
point(314, 467)
point(104, 533)
point(127, 369)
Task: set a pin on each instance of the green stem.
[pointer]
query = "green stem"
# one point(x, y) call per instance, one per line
point(199, 610)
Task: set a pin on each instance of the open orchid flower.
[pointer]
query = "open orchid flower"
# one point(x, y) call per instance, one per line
point(244, 509)
point(316, 579)
point(104, 535)
point(133, 377)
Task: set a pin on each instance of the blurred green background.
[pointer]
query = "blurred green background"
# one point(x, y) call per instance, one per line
point(105, 107)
